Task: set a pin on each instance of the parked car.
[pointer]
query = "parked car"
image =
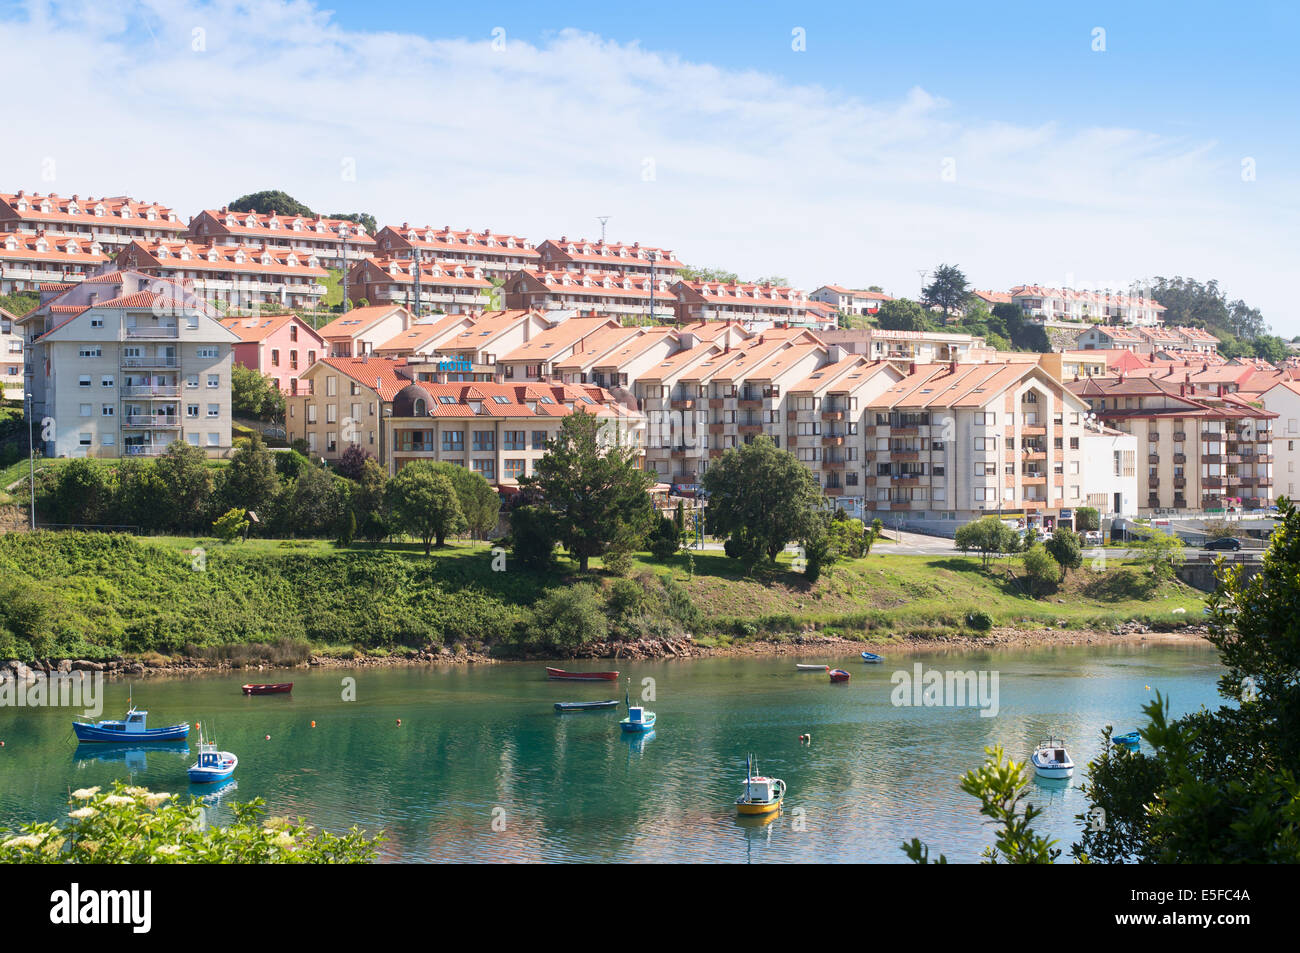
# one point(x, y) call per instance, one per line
point(1226, 542)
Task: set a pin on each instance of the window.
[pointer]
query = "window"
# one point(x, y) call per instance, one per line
point(986, 469)
point(108, 380)
point(108, 439)
point(214, 410)
point(96, 322)
point(514, 469)
point(331, 386)
point(91, 352)
point(539, 439)
point(191, 381)
point(192, 411)
point(484, 440)
point(83, 439)
point(513, 440)
point(211, 352)
point(453, 441)
point(331, 413)
point(985, 419)
point(107, 410)
point(87, 410)
point(214, 381)
point(275, 357)
point(311, 413)
point(986, 443)
point(486, 466)
point(193, 439)
point(214, 440)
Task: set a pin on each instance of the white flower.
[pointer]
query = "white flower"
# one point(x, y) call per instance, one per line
point(136, 791)
point(169, 849)
point(118, 800)
point(283, 840)
point(81, 812)
point(153, 800)
point(85, 794)
point(27, 840)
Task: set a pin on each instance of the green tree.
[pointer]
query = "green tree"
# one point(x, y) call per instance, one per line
point(569, 618)
point(1087, 519)
point(479, 502)
point(82, 494)
point(1160, 552)
point(593, 486)
point(708, 274)
point(142, 496)
point(533, 535)
point(1066, 548)
point(423, 503)
point(270, 201)
point(254, 395)
point(230, 526)
point(665, 539)
point(251, 479)
point(762, 497)
point(1042, 571)
point(184, 470)
point(987, 536)
point(902, 314)
point(1271, 348)
point(947, 291)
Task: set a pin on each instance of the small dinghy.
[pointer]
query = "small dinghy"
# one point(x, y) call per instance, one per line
point(799, 666)
point(872, 657)
point(278, 688)
point(1129, 742)
point(585, 706)
point(839, 675)
point(559, 674)
point(1051, 760)
point(213, 765)
point(761, 795)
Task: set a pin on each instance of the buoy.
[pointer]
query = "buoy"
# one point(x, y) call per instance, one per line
point(313, 724)
point(268, 737)
point(399, 723)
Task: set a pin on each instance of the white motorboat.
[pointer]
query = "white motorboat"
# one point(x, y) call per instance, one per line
point(800, 666)
point(1052, 760)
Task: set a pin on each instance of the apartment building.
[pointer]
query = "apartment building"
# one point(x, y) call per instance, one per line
point(607, 293)
point(614, 358)
point(11, 357)
point(471, 352)
point(1202, 450)
point(850, 301)
point(112, 223)
point(582, 256)
point(1101, 338)
point(1283, 399)
point(124, 364)
point(961, 441)
point(445, 287)
point(280, 346)
point(497, 255)
point(323, 239)
point(755, 306)
point(28, 260)
point(361, 331)
point(535, 359)
point(497, 430)
point(922, 347)
point(1066, 304)
point(237, 276)
point(341, 401)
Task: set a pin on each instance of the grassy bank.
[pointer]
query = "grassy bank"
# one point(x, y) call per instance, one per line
point(98, 595)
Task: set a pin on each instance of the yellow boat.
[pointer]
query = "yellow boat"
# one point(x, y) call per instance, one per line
point(762, 795)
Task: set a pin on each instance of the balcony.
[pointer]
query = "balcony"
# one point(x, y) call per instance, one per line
point(1180, 437)
point(749, 403)
point(717, 428)
point(161, 421)
point(907, 431)
point(905, 455)
point(1180, 458)
point(684, 404)
point(832, 439)
point(750, 427)
point(1180, 482)
point(833, 490)
point(1213, 482)
point(829, 464)
point(152, 390)
point(832, 415)
point(148, 332)
point(157, 361)
point(1153, 458)
point(1153, 482)
point(144, 450)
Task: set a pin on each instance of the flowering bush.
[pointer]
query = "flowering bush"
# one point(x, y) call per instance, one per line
point(130, 825)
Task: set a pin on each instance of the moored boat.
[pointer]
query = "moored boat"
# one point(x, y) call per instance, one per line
point(811, 668)
point(1129, 742)
point(560, 674)
point(839, 675)
point(213, 765)
point(585, 706)
point(1051, 759)
point(872, 657)
point(132, 729)
point(638, 719)
point(762, 795)
point(277, 688)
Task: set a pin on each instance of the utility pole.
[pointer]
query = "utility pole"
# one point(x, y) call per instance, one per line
point(417, 284)
point(343, 234)
point(31, 458)
point(379, 416)
point(654, 256)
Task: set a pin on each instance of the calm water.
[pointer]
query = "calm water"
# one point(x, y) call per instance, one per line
point(482, 744)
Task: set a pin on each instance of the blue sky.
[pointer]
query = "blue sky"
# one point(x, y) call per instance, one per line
point(903, 136)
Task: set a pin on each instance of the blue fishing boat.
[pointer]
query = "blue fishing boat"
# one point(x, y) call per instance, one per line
point(872, 657)
point(213, 765)
point(585, 706)
point(1129, 742)
point(131, 729)
point(638, 719)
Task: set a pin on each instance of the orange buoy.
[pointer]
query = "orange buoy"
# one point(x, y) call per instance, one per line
point(399, 723)
point(313, 724)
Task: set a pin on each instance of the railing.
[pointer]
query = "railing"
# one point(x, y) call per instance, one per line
point(153, 390)
point(151, 362)
point(144, 450)
point(157, 331)
point(170, 421)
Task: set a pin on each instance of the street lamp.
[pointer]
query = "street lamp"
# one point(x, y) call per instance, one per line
point(343, 234)
point(31, 460)
point(654, 256)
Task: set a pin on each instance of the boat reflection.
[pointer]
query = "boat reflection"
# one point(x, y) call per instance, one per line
point(135, 756)
point(636, 742)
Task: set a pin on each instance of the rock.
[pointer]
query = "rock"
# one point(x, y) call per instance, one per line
point(22, 673)
point(65, 666)
point(81, 665)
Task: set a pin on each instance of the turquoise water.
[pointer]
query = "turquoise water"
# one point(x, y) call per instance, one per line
point(482, 769)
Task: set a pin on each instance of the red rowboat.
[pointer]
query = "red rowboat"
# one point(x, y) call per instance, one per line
point(839, 675)
point(280, 688)
point(561, 675)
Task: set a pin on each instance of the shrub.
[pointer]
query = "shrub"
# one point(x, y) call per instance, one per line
point(665, 539)
point(230, 526)
point(1043, 572)
point(979, 620)
point(567, 619)
point(533, 536)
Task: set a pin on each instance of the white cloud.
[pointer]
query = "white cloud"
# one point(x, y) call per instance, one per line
point(750, 171)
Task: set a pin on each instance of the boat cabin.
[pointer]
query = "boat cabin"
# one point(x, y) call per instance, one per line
point(212, 759)
point(759, 790)
point(133, 724)
point(636, 714)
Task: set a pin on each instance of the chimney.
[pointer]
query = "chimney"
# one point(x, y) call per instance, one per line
point(911, 368)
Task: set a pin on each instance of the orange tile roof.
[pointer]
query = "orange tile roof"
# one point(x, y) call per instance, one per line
point(118, 210)
point(446, 239)
point(556, 340)
point(188, 256)
point(21, 246)
point(262, 226)
point(356, 320)
point(262, 327)
point(366, 370)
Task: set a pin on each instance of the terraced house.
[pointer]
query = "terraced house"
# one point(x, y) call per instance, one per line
point(29, 260)
point(124, 364)
point(606, 293)
point(755, 306)
point(280, 346)
point(11, 357)
point(582, 256)
point(112, 223)
point(497, 255)
point(310, 236)
point(1201, 448)
point(445, 287)
point(237, 276)
point(1067, 304)
point(953, 442)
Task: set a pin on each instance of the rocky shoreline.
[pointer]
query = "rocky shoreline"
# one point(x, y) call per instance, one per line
point(809, 643)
